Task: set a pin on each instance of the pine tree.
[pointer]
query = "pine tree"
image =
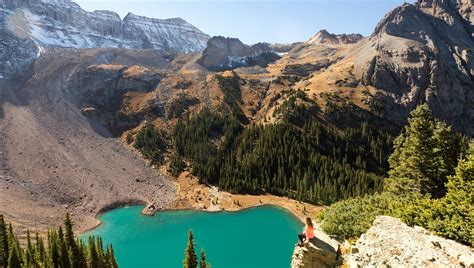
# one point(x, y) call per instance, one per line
point(63, 251)
point(75, 256)
point(425, 153)
point(14, 258)
point(93, 257)
point(458, 218)
point(3, 242)
point(190, 257)
point(40, 255)
point(202, 260)
point(110, 257)
point(29, 253)
point(14, 250)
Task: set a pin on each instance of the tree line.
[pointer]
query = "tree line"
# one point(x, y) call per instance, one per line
point(60, 250)
point(314, 162)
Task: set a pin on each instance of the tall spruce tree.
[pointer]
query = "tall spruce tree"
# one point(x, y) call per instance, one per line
point(14, 258)
point(3, 242)
point(202, 260)
point(190, 257)
point(425, 154)
point(458, 221)
point(75, 256)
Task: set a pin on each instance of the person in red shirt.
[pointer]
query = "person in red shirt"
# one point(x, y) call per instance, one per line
point(308, 234)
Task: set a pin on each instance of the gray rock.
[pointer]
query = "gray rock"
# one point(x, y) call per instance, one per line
point(224, 53)
point(323, 37)
point(322, 251)
point(423, 53)
point(28, 25)
point(389, 242)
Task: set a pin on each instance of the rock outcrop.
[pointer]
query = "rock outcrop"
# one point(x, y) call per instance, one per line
point(418, 53)
point(391, 243)
point(26, 26)
point(423, 53)
point(320, 252)
point(224, 53)
point(323, 37)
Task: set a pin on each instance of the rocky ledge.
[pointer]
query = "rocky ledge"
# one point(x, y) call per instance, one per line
point(322, 251)
point(391, 243)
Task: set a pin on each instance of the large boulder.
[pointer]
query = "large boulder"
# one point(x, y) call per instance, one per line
point(391, 243)
point(322, 251)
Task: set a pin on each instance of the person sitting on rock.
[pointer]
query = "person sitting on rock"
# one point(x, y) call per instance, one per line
point(308, 234)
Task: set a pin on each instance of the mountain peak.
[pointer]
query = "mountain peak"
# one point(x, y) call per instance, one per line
point(323, 37)
point(226, 53)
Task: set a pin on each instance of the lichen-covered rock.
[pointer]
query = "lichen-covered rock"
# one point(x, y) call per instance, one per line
point(391, 243)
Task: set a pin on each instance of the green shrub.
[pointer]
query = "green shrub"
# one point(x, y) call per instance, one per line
point(451, 216)
point(352, 217)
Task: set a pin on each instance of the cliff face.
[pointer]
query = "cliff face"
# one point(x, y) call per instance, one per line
point(321, 252)
point(27, 26)
point(224, 53)
point(394, 244)
point(418, 53)
point(323, 37)
point(423, 53)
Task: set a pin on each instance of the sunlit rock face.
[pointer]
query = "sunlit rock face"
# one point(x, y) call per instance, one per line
point(224, 53)
point(27, 25)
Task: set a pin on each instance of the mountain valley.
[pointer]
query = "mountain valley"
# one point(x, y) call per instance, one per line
point(98, 112)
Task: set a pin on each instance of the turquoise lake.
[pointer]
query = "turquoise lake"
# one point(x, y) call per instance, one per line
point(257, 237)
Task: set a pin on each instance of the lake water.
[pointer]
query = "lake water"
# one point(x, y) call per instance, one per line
point(258, 237)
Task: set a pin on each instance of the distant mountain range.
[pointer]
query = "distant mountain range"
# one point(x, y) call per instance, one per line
point(27, 26)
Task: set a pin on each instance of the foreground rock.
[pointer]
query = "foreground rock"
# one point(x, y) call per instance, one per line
point(389, 242)
point(322, 251)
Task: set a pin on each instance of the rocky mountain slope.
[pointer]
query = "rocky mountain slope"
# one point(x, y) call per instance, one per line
point(224, 53)
point(27, 26)
point(53, 159)
point(323, 37)
point(417, 53)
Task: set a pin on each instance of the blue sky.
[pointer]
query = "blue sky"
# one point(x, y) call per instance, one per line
point(275, 21)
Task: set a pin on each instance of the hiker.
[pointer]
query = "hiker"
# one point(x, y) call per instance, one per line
point(308, 234)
